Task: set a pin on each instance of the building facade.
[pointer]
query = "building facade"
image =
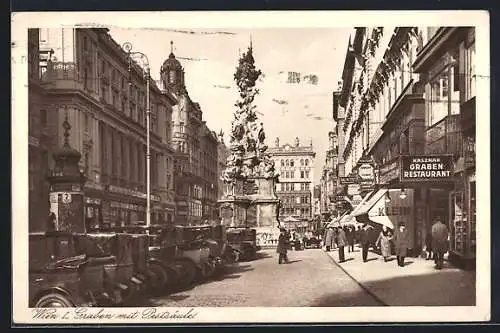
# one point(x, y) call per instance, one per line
point(38, 139)
point(90, 79)
point(295, 165)
point(446, 63)
point(329, 178)
point(223, 153)
point(410, 124)
point(187, 134)
point(209, 165)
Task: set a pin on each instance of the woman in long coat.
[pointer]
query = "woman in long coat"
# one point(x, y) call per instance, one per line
point(329, 238)
point(282, 248)
point(384, 241)
point(401, 243)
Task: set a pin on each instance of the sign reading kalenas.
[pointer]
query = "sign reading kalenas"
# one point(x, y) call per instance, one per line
point(426, 168)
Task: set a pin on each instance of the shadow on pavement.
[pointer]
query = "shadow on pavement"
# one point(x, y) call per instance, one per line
point(261, 255)
point(416, 290)
point(293, 261)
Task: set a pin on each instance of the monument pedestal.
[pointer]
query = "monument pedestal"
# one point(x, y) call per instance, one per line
point(252, 203)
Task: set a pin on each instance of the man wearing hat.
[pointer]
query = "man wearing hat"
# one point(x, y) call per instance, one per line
point(282, 246)
point(401, 243)
point(364, 240)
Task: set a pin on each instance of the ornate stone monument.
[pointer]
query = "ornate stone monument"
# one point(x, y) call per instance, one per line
point(66, 188)
point(249, 198)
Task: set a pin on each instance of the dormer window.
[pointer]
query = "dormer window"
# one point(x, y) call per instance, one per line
point(171, 77)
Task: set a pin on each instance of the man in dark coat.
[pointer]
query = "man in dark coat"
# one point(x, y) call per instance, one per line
point(350, 239)
point(341, 242)
point(401, 243)
point(439, 242)
point(364, 240)
point(282, 248)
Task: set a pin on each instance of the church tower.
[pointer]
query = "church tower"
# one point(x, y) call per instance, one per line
point(172, 73)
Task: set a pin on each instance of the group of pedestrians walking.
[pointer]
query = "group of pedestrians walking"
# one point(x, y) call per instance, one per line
point(389, 242)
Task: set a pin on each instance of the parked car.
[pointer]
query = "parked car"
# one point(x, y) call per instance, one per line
point(120, 280)
point(244, 242)
point(195, 253)
point(59, 276)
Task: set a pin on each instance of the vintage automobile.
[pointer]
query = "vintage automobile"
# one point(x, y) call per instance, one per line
point(163, 271)
point(60, 276)
point(120, 280)
point(312, 242)
point(244, 242)
point(139, 249)
point(195, 254)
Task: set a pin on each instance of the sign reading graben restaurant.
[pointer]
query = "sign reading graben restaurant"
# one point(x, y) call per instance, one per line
point(426, 168)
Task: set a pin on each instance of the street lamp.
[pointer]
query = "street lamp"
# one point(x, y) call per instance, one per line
point(128, 48)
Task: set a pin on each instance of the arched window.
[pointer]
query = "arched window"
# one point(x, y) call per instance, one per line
point(282, 162)
point(287, 162)
point(302, 161)
point(291, 163)
point(307, 162)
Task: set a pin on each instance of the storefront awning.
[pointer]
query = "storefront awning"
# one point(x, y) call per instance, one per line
point(365, 206)
point(361, 204)
point(382, 220)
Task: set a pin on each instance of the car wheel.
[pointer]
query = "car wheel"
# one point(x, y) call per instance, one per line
point(188, 274)
point(158, 279)
point(54, 300)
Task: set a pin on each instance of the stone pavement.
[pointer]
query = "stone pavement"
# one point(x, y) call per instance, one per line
point(310, 280)
point(416, 284)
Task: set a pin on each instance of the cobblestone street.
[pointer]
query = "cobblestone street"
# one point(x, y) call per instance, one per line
point(310, 279)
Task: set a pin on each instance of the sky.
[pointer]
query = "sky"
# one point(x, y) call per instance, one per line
point(287, 110)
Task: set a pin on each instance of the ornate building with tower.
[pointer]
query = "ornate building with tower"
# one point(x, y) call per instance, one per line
point(192, 142)
point(295, 166)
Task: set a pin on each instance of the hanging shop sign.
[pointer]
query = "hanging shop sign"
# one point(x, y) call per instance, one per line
point(353, 189)
point(389, 172)
point(366, 171)
point(426, 168)
point(348, 180)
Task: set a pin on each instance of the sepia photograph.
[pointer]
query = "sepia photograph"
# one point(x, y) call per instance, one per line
point(250, 167)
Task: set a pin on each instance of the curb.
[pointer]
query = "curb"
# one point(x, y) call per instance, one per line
point(367, 290)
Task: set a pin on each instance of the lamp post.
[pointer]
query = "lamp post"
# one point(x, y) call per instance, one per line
point(128, 48)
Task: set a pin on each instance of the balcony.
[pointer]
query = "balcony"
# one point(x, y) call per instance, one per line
point(444, 137)
point(62, 75)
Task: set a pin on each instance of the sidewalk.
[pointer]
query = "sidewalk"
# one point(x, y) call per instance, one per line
point(416, 284)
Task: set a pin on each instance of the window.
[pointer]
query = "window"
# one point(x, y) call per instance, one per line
point(287, 163)
point(307, 162)
point(302, 174)
point(282, 163)
point(302, 162)
point(171, 77)
point(181, 127)
point(470, 71)
point(291, 163)
point(438, 102)
point(297, 200)
point(307, 174)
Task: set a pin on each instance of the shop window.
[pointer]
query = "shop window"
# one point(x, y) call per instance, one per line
point(458, 223)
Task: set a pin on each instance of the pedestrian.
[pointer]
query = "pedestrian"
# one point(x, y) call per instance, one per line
point(364, 240)
point(428, 245)
point(51, 221)
point(328, 238)
point(341, 242)
point(282, 246)
point(439, 242)
point(350, 239)
point(401, 242)
point(357, 235)
point(384, 242)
